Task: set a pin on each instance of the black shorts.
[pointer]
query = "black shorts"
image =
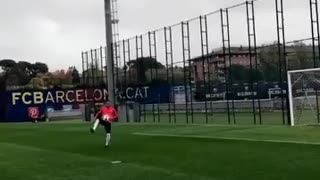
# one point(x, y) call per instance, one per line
point(107, 126)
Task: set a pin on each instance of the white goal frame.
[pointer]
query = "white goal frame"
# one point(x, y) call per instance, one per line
point(292, 120)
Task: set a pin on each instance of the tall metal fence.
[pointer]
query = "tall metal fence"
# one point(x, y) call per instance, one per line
point(226, 67)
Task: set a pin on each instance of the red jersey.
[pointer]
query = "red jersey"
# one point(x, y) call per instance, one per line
point(110, 111)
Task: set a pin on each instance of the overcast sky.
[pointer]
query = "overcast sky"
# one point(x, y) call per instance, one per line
point(56, 31)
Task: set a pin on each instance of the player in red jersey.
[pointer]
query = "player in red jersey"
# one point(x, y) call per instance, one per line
point(105, 117)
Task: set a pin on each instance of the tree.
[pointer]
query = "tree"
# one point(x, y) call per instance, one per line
point(26, 67)
point(146, 63)
point(13, 72)
point(61, 77)
point(142, 65)
point(75, 76)
point(94, 76)
point(7, 65)
point(241, 74)
point(269, 64)
point(300, 58)
point(22, 72)
point(38, 68)
point(178, 74)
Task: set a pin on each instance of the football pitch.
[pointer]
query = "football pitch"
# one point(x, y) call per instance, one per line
point(240, 118)
point(67, 151)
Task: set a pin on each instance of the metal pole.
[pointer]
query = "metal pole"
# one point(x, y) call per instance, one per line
point(117, 58)
point(285, 62)
point(250, 34)
point(139, 66)
point(157, 71)
point(101, 62)
point(125, 56)
point(151, 73)
point(96, 64)
point(83, 70)
point(256, 60)
point(137, 61)
point(225, 63)
point(313, 35)
point(282, 56)
point(172, 78)
point(209, 65)
point(230, 65)
point(315, 41)
point(168, 55)
point(92, 69)
point(205, 54)
point(87, 65)
point(190, 73)
point(184, 70)
point(129, 81)
point(109, 60)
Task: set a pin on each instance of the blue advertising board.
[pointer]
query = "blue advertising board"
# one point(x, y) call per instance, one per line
point(17, 104)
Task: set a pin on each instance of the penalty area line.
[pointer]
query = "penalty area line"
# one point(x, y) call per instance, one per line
point(225, 138)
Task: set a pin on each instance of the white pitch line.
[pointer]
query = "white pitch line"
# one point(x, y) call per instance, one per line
point(225, 138)
point(196, 125)
point(116, 162)
point(178, 125)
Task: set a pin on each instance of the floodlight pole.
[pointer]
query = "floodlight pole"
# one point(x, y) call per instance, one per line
point(109, 59)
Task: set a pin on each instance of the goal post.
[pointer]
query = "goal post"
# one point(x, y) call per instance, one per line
point(303, 92)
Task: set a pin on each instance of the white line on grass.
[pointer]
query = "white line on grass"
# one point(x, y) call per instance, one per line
point(189, 125)
point(225, 138)
point(201, 125)
point(171, 124)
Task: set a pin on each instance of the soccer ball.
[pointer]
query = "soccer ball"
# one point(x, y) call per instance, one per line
point(106, 118)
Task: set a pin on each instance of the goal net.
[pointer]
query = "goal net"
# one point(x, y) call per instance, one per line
point(304, 91)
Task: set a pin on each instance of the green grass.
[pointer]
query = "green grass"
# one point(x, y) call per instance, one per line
point(240, 118)
point(67, 151)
